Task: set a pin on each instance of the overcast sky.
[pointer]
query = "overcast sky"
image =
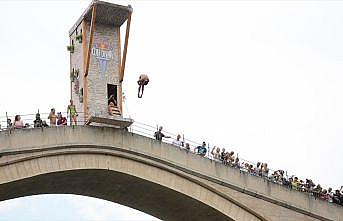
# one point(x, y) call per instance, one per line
point(262, 78)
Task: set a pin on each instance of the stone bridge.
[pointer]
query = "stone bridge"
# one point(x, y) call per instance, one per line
point(139, 172)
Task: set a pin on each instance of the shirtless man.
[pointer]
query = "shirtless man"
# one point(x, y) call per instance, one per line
point(52, 117)
point(142, 81)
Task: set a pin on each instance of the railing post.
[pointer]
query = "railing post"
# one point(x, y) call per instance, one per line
point(7, 120)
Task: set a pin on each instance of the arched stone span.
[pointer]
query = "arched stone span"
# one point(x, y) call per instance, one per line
point(115, 187)
point(118, 177)
point(47, 160)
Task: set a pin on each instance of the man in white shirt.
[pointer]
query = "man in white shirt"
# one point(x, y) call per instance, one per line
point(178, 142)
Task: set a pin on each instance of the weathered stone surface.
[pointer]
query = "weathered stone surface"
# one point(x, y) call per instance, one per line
point(142, 173)
point(96, 81)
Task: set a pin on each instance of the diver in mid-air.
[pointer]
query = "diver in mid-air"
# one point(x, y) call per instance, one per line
point(142, 81)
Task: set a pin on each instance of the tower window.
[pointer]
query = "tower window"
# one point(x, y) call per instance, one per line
point(112, 94)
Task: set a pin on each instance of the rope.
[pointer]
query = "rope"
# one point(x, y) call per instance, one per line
point(125, 104)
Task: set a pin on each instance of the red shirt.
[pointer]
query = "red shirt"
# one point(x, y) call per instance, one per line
point(62, 121)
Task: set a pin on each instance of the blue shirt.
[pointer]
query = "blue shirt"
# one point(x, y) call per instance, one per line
point(201, 150)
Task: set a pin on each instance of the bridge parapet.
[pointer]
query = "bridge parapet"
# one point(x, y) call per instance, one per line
point(271, 200)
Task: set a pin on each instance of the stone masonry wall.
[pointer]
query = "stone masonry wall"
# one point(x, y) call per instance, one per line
point(76, 62)
point(103, 68)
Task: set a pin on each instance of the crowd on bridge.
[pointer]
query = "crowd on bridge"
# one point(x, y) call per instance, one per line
point(228, 158)
point(55, 119)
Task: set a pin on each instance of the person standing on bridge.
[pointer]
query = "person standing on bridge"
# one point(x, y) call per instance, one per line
point(223, 156)
point(159, 135)
point(216, 154)
point(61, 120)
point(178, 142)
point(187, 147)
point(73, 113)
point(52, 117)
point(18, 123)
point(38, 122)
point(9, 123)
point(201, 150)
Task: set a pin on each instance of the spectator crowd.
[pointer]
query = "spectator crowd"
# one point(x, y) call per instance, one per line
point(262, 170)
point(55, 119)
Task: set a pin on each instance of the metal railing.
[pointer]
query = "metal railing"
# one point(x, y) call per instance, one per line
point(28, 120)
point(137, 127)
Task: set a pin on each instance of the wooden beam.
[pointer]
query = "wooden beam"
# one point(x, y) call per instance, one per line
point(70, 69)
point(84, 43)
point(86, 68)
point(121, 78)
point(120, 84)
point(85, 83)
point(91, 32)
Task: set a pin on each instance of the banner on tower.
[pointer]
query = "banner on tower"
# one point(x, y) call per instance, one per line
point(103, 52)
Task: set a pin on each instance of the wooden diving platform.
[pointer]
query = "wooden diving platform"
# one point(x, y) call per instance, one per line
point(119, 121)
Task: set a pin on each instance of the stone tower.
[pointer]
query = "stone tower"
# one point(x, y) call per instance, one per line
point(97, 63)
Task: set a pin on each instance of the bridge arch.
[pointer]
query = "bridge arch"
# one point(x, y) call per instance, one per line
point(50, 154)
point(118, 176)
